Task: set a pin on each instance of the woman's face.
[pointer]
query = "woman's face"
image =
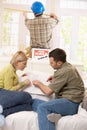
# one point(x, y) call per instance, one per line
point(21, 65)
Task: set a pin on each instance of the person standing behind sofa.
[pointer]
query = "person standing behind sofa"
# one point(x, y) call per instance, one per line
point(66, 84)
point(12, 98)
point(40, 27)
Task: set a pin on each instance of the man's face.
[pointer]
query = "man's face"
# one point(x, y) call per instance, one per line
point(54, 64)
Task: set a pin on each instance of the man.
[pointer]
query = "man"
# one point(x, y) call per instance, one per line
point(68, 87)
point(40, 27)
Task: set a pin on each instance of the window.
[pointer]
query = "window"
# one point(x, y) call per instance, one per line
point(10, 32)
point(73, 30)
point(14, 35)
point(82, 43)
point(20, 2)
point(75, 4)
point(70, 34)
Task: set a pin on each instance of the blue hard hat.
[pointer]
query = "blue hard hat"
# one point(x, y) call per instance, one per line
point(37, 7)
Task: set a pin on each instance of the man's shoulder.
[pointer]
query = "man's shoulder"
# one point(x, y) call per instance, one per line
point(66, 68)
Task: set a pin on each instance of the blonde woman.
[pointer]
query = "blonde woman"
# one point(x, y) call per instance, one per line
point(11, 99)
point(8, 76)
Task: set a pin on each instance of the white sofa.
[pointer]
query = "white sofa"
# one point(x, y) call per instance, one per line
point(27, 120)
point(75, 122)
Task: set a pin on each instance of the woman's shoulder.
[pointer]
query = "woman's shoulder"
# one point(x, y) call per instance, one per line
point(7, 69)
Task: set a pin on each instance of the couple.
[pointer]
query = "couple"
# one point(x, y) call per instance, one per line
point(66, 83)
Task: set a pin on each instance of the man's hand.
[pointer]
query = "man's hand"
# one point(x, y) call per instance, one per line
point(43, 87)
point(50, 79)
point(52, 15)
point(37, 83)
point(25, 15)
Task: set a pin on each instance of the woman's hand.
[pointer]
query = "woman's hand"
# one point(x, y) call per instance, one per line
point(24, 75)
point(27, 82)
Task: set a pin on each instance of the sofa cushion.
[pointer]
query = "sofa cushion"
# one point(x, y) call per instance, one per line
point(76, 122)
point(84, 102)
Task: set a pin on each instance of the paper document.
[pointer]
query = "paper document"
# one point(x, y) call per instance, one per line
point(35, 76)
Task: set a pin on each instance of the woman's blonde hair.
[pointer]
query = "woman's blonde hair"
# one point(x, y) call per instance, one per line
point(19, 56)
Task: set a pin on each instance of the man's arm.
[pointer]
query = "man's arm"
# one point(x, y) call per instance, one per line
point(43, 87)
point(25, 15)
point(52, 15)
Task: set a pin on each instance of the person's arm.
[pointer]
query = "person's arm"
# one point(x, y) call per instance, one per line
point(25, 15)
point(43, 87)
point(52, 15)
point(11, 82)
point(50, 79)
point(53, 19)
point(22, 85)
point(27, 20)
